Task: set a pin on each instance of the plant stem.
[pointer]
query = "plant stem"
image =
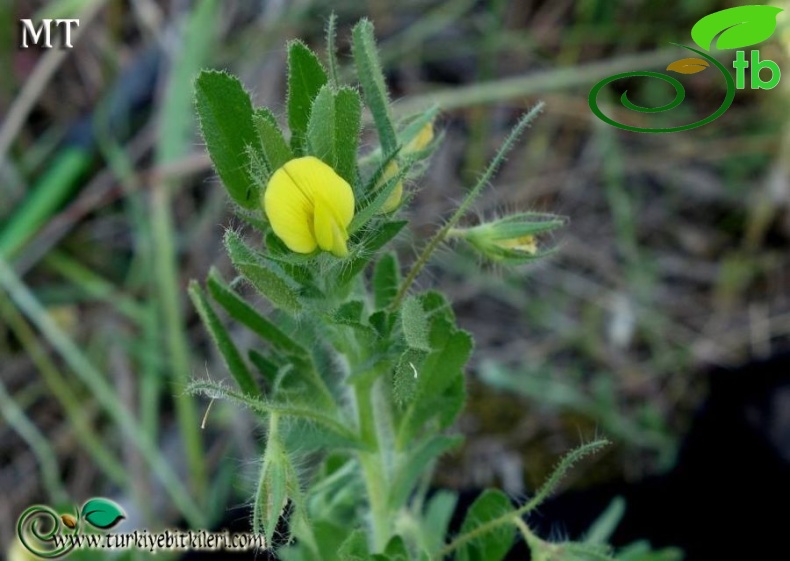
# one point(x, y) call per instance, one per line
point(462, 209)
point(510, 517)
point(372, 466)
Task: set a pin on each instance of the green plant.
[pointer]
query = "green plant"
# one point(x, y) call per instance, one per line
point(360, 376)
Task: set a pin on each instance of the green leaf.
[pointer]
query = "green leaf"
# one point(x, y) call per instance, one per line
point(271, 496)
point(331, 49)
point(355, 547)
point(363, 47)
point(415, 324)
point(405, 375)
point(260, 173)
point(240, 310)
point(230, 354)
point(350, 315)
point(350, 311)
point(436, 520)
point(267, 367)
point(604, 526)
point(440, 383)
point(740, 27)
point(333, 131)
point(225, 112)
point(331, 536)
point(262, 275)
point(362, 255)
point(492, 545)
point(275, 149)
point(382, 321)
point(102, 513)
point(386, 279)
point(309, 413)
point(437, 306)
point(395, 551)
point(416, 464)
point(641, 551)
point(306, 76)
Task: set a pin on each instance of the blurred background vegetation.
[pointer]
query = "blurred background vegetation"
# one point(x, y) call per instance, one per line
point(674, 260)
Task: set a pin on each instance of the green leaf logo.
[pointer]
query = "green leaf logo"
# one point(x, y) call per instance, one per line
point(102, 513)
point(739, 27)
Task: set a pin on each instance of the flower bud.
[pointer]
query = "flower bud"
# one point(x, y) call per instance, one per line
point(512, 239)
point(417, 144)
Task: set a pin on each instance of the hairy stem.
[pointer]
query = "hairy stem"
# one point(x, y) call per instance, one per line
point(463, 208)
point(511, 517)
point(373, 466)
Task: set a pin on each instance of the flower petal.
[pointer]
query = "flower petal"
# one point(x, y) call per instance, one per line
point(290, 212)
point(318, 180)
point(309, 205)
point(393, 201)
point(330, 234)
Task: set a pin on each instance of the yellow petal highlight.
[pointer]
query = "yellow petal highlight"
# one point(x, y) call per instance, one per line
point(527, 244)
point(416, 144)
point(393, 200)
point(309, 205)
point(419, 142)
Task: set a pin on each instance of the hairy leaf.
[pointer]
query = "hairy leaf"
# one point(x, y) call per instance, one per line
point(333, 131)
point(226, 121)
point(494, 544)
point(306, 76)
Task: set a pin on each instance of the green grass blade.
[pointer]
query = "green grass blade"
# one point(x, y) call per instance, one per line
point(46, 197)
point(39, 445)
point(176, 126)
point(102, 391)
point(62, 390)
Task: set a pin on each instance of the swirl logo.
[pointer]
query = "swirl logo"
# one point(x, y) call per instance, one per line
point(49, 535)
point(733, 28)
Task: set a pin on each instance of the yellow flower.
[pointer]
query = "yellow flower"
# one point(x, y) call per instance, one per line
point(309, 206)
point(418, 143)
